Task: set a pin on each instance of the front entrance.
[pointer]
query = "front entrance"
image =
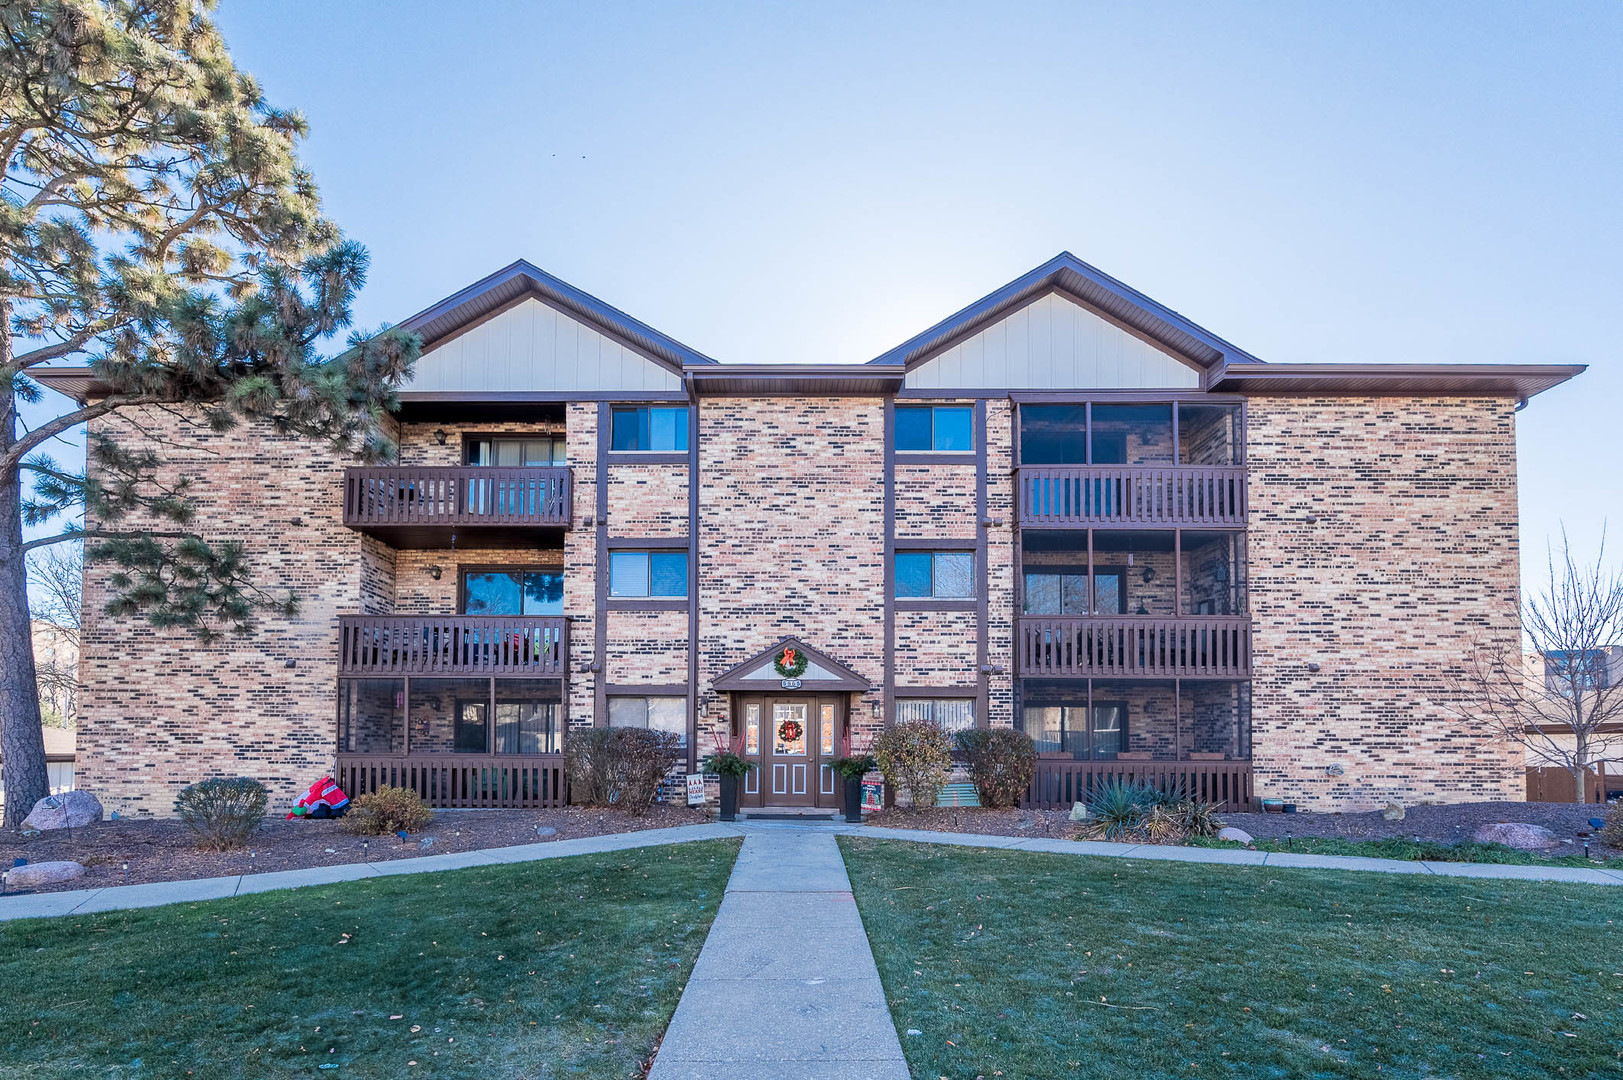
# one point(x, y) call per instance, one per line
point(791, 738)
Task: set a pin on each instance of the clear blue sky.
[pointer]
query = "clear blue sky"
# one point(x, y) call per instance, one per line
point(1315, 182)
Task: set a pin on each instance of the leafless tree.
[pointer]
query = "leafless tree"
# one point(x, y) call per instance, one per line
point(55, 595)
point(1567, 705)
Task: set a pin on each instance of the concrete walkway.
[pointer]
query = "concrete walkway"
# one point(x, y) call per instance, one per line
point(785, 987)
point(117, 897)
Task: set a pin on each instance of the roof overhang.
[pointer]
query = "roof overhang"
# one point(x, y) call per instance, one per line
point(773, 379)
point(842, 678)
point(1093, 288)
point(1520, 381)
point(486, 297)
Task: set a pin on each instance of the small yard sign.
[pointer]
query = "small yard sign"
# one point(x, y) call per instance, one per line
point(695, 789)
point(873, 796)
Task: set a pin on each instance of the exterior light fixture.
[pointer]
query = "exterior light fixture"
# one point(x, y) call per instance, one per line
point(435, 572)
point(440, 435)
point(1149, 574)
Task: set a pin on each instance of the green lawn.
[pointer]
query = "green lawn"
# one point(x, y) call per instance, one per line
point(562, 968)
point(1024, 965)
point(1414, 851)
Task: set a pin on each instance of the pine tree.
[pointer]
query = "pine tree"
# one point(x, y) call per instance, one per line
point(157, 227)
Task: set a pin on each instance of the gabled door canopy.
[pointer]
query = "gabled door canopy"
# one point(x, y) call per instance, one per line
point(822, 672)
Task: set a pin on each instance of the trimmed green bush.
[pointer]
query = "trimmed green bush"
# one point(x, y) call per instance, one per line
point(620, 767)
point(1001, 761)
point(916, 757)
point(223, 812)
point(387, 810)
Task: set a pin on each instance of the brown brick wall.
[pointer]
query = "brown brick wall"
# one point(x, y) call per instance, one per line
point(792, 537)
point(1410, 558)
point(935, 502)
point(580, 563)
point(648, 500)
point(647, 648)
point(159, 710)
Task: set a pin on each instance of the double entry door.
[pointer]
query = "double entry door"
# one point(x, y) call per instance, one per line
point(791, 738)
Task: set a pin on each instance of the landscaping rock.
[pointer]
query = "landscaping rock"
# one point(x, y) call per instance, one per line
point(35, 875)
point(1229, 832)
point(1079, 812)
point(69, 810)
point(1516, 834)
point(1393, 812)
point(546, 830)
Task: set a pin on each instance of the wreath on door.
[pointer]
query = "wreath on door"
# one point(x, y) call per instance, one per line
point(790, 731)
point(790, 662)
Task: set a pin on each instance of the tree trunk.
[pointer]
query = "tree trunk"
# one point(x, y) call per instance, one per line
point(22, 743)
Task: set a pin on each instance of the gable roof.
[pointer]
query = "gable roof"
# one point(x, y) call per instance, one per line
point(1092, 287)
point(517, 280)
point(833, 675)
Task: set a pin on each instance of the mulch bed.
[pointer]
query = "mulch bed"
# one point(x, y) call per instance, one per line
point(1444, 824)
point(164, 850)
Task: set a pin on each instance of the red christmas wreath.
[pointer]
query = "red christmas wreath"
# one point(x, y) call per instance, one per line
point(790, 731)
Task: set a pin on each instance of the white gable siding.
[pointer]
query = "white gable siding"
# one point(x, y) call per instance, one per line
point(534, 347)
point(1053, 343)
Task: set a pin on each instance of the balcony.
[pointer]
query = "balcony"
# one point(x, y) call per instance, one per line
point(481, 506)
point(1133, 647)
point(1083, 496)
point(507, 645)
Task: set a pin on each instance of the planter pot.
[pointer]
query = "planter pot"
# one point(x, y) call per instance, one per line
point(853, 800)
point(729, 798)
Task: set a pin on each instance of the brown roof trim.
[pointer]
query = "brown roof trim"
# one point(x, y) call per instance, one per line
point(1375, 380)
point(845, 679)
point(76, 382)
point(788, 379)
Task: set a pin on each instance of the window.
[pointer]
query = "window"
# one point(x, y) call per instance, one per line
point(648, 573)
point(527, 716)
point(951, 715)
point(1053, 434)
point(1132, 435)
point(512, 592)
point(527, 450)
point(1064, 729)
point(469, 737)
point(941, 575)
point(1065, 592)
point(1209, 434)
point(942, 428)
point(660, 428)
point(655, 713)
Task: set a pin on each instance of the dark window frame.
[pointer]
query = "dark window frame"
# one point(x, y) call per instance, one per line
point(648, 553)
point(471, 437)
point(681, 409)
point(968, 451)
point(935, 553)
point(503, 568)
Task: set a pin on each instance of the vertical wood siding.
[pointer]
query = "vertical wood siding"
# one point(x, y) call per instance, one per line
point(535, 347)
point(1051, 343)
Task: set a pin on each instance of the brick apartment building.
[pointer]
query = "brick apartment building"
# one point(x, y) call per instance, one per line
point(1065, 508)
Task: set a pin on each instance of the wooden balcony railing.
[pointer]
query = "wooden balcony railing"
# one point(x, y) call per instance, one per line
point(1133, 647)
point(453, 645)
point(1056, 785)
point(517, 781)
point(398, 501)
point(1105, 495)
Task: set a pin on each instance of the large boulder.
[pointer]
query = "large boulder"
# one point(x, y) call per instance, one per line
point(69, 810)
point(1229, 832)
point(1393, 811)
point(1516, 834)
point(34, 875)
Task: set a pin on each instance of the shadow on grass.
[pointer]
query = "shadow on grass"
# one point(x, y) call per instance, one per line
point(1413, 851)
point(568, 967)
point(1023, 965)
